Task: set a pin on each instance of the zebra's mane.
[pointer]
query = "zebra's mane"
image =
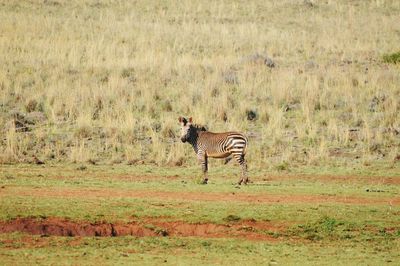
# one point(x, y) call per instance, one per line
point(199, 127)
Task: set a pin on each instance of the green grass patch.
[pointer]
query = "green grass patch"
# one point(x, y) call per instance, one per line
point(393, 58)
point(317, 231)
point(174, 179)
point(18, 249)
point(332, 229)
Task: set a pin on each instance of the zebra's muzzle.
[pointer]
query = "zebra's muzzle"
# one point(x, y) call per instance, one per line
point(183, 139)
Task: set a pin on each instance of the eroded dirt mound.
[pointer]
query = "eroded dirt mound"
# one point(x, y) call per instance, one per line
point(148, 227)
point(63, 227)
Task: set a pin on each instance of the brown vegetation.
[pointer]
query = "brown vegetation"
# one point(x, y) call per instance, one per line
point(82, 81)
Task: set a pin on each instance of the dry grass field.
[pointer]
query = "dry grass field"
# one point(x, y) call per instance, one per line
point(92, 171)
point(104, 81)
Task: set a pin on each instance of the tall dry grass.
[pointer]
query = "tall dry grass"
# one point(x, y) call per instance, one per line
point(108, 79)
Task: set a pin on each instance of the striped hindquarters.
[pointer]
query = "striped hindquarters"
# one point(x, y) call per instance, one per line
point(236, 143)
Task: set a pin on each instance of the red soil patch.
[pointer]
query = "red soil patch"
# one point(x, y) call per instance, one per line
point(201, 196)
point(373, 180)
point(251, 230)
point(145, 177)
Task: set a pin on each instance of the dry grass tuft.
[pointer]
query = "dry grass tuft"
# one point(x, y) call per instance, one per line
point(106, 82)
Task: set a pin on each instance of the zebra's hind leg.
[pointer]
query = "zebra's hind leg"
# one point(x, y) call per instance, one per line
point(242, 162)
point(204, 165)
point(245, 178)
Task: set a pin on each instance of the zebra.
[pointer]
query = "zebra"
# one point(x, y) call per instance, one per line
point(215, 145)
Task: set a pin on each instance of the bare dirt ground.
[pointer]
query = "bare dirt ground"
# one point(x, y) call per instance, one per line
point(200, 196)
point(372, 180)
point(251, 230)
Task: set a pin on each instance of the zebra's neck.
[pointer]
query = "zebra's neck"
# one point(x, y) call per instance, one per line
point(193, 139)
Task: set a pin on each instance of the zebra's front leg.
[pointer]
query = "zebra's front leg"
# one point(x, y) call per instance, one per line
point(204, 166)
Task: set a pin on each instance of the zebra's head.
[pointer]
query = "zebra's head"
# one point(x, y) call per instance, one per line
point(186, 128)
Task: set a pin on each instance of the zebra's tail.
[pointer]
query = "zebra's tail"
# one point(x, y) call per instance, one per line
point(245, 147)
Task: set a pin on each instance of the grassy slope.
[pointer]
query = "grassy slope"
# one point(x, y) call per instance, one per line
point(111, 79)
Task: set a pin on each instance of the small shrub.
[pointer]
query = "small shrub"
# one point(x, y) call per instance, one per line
point(393, 58)
point(328, 224)
point(232, 218)
point(251, 115)
point(282, 166)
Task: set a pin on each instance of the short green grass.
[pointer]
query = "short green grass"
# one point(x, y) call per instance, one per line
point(120, 209)
point(190, 251)
point(316, 233)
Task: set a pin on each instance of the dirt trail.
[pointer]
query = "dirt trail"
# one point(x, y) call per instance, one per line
point(252, 230)
point(372, 180)
point(199, 196)
point(265, 179)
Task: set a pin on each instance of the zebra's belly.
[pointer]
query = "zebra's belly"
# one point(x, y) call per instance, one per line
point(218, 155)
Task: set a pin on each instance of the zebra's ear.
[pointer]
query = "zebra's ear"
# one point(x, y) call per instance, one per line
point(190, 120)
point(182, 120)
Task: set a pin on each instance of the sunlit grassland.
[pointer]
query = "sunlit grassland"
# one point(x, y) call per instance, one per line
point(105, 81)
point(94, 88)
